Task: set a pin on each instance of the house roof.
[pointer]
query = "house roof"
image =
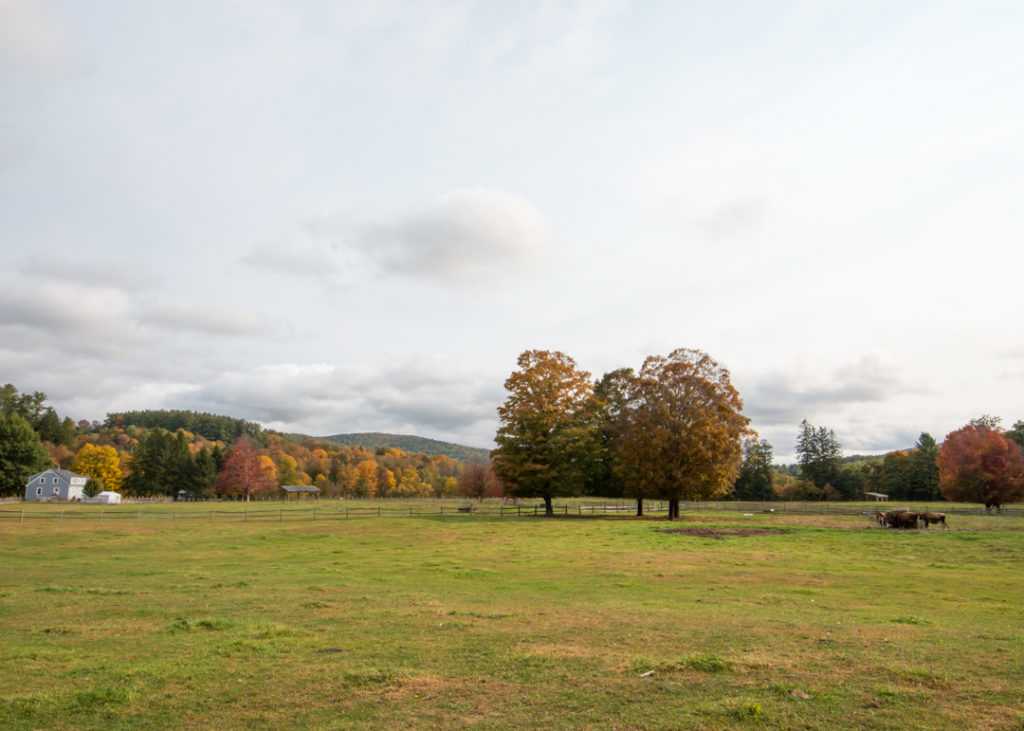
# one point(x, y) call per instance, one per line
point(66, 475)
point(300, 488)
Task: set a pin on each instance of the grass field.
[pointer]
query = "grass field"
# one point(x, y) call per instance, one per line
point(719, 620)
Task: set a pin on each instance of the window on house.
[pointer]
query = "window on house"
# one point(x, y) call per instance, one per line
point(39, 492)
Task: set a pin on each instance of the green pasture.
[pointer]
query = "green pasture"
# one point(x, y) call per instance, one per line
point(718, 620)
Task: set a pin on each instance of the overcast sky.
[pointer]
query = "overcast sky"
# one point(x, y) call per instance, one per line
point(353, 216)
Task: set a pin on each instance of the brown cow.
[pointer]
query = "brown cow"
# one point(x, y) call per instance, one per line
point(903, 519)
point(934, 518)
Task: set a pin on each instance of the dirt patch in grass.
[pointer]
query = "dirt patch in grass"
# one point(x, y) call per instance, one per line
point(720, 533)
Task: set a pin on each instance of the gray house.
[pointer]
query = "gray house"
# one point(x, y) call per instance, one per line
point(55, 484)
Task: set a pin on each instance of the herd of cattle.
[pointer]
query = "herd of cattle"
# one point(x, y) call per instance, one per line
point(909, 519)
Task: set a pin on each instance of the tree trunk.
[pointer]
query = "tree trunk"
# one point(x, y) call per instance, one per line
point(639, 507)
point(673, 508)
point(548, 508)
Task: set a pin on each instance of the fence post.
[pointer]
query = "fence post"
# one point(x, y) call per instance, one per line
point(281, 515)
point(211, 516)
point(62, 516)
point(246, 514)
point(138, 517)
point(22, 516)
point(101, 515)
point(314, 513)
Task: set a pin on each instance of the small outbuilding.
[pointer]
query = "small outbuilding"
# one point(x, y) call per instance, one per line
point(55, 484)
point(107, 498)
point(300, 492)
point(878, 497)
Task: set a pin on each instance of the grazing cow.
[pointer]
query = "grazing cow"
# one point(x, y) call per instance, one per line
point(989, 504)
point(880, 517)
point(934, 518)
point(904, 519)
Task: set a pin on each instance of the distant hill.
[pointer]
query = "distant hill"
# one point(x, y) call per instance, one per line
point(410, 444)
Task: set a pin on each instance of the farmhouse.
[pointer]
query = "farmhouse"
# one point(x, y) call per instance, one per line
point(55, 484)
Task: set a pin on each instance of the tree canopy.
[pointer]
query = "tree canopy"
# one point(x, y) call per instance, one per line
point(21, 454)
point(547, 439)
point(681, 429)
point(978, 464)
point(818, 452)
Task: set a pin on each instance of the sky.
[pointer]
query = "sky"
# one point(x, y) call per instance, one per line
point(333, 217)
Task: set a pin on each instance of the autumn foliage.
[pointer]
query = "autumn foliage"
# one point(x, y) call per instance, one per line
point(548, 438)
point(977, 464)
point(244, 473)
point(682, 430)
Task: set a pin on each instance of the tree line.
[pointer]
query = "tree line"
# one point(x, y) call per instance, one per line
point(675, 431)
point(152, 453)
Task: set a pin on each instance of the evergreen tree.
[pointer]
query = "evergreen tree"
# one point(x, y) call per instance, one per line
point(818, 452)
point(756, 481)
point(21, 454)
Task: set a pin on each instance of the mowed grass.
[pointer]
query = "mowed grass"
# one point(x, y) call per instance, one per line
point(763, 621)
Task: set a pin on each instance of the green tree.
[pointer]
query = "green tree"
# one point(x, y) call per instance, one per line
point(1016, 434)
point(923, 474)
point(682, 429)
point(756, 479)
point(22, 454)
point(818, 453)
point(161, 464)
point(548, 436)
point(605, 480)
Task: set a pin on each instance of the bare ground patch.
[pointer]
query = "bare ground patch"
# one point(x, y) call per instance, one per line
point(720, 533)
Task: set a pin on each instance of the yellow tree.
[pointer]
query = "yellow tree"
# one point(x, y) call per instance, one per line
point(548, 437)
point(101, 464)
point(366, 478)
point(681, 429)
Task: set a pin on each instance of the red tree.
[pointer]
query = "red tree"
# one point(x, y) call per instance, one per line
point(242, 473)
point(977, 464)
point(478, 481)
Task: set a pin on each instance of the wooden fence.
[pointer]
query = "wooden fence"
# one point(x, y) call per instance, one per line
point(382, 510)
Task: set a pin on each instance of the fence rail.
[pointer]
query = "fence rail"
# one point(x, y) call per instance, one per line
point(331, 512)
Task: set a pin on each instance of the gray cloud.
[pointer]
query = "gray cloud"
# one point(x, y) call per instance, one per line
point(195, 317)
point(789, 397)
point(459, 236)
point(34, 37)
point(324, 399)
point(314, 258)
point(741, 216)
point(130, 275)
